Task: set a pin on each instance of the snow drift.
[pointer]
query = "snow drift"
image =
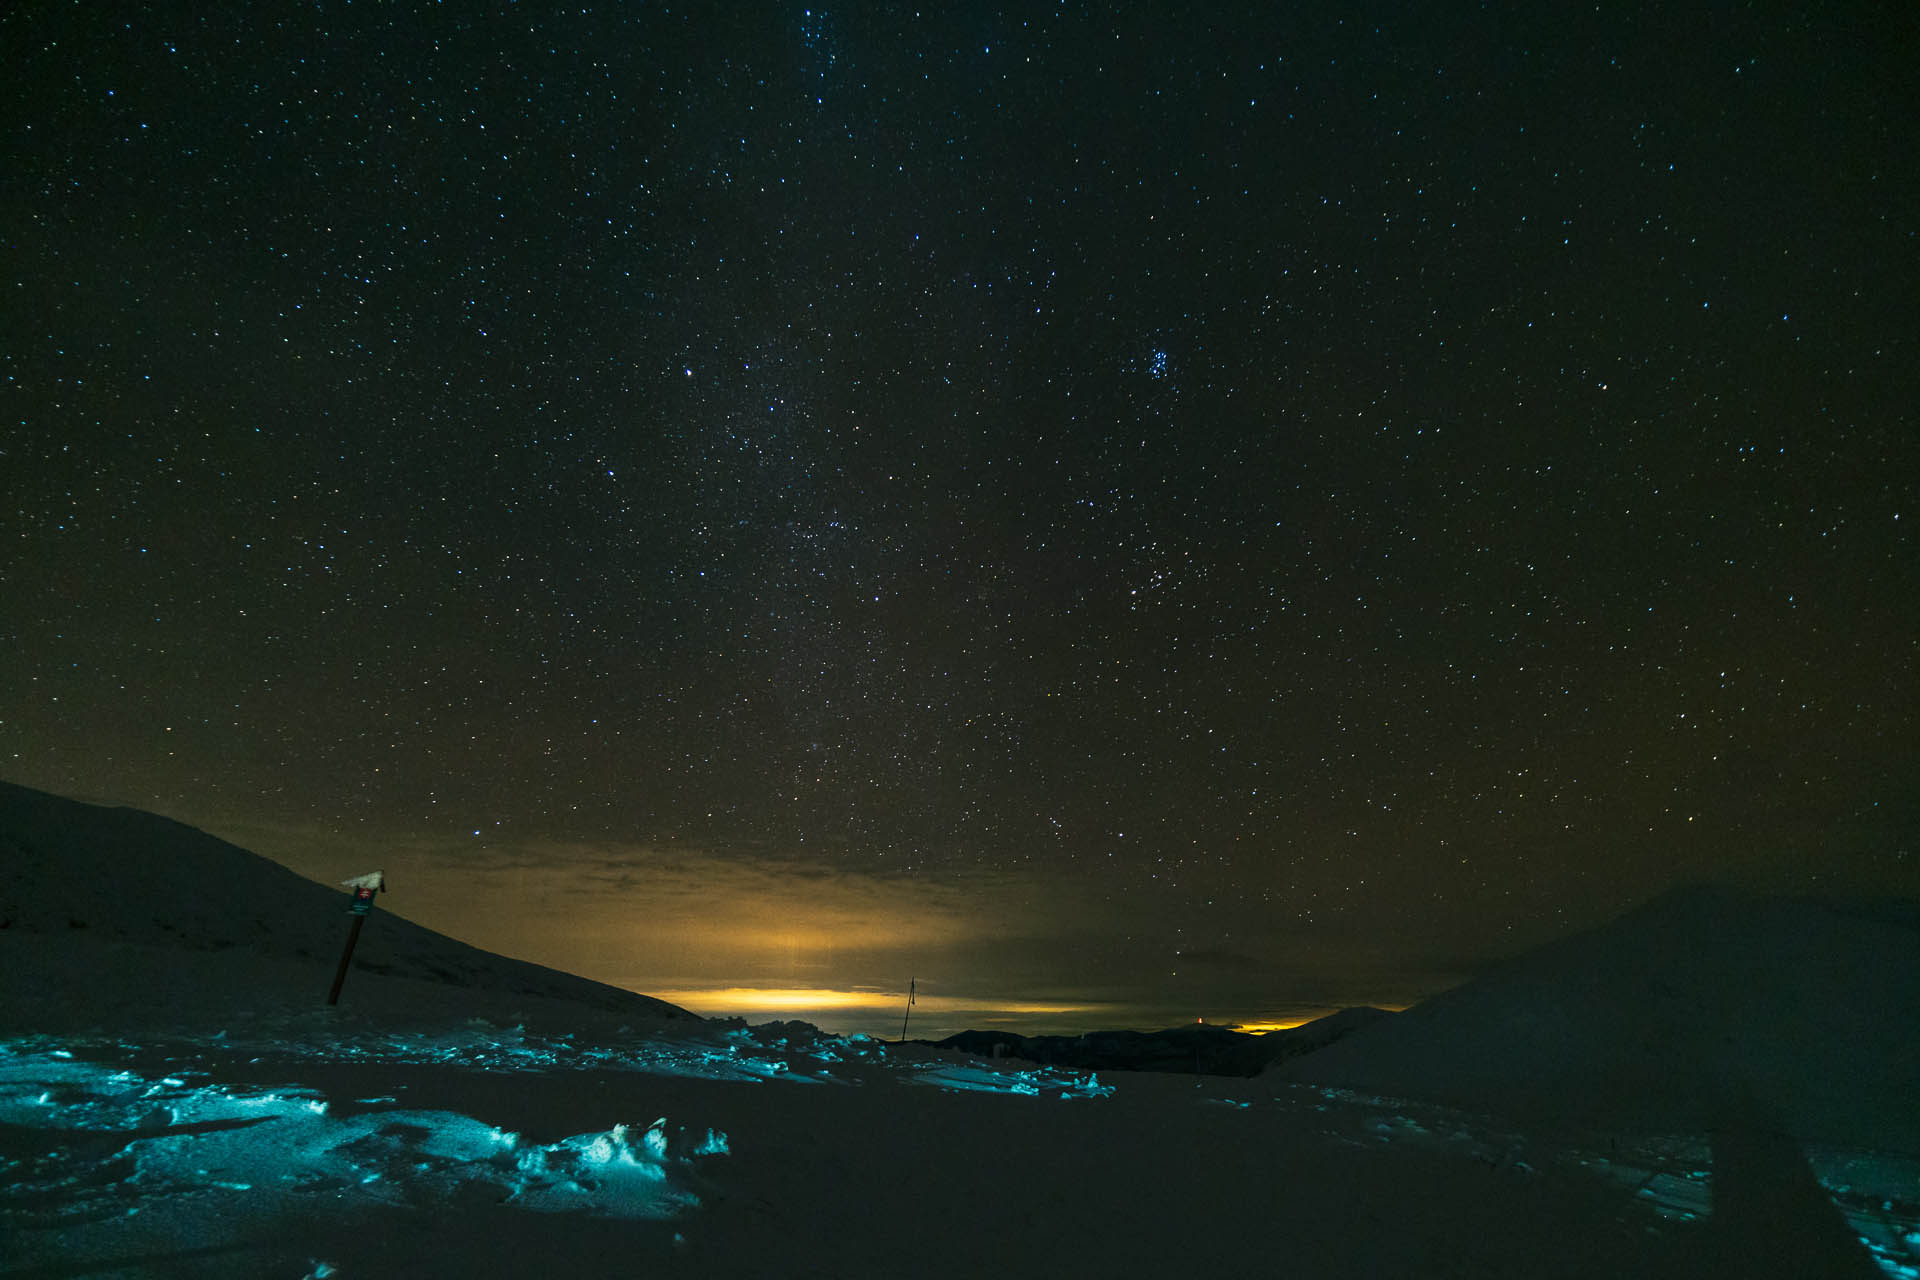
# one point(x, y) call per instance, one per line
point(1702, 1001)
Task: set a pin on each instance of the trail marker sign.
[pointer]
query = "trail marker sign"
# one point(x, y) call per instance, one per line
point(364, 887)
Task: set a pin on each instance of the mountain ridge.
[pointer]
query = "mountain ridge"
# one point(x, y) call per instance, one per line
point(1196, 1049)
point(126, 876)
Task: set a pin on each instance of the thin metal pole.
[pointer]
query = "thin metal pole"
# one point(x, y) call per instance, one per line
point(909, 1012)
point(340, 974)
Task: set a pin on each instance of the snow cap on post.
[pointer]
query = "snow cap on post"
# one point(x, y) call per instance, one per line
point(374, 880)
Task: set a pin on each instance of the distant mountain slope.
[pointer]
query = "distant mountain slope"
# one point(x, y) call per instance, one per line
point(126, 876)
point(1202, 1050)
point(1702, 1001)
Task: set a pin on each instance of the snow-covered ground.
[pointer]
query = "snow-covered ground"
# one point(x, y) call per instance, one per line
point(322, 1144)
point(1714, 1087)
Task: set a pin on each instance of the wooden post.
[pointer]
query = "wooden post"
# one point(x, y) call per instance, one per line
point(909, 1012)
point(346, 957)
point(364, 887)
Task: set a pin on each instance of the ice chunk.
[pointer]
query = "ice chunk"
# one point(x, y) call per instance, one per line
point(215, 1139)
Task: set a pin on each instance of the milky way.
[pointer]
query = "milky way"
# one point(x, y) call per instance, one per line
point(1288, 466)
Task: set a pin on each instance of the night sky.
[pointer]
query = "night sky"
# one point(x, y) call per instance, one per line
point(1232, 509)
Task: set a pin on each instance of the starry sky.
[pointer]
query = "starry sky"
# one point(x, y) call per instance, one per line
point(1232, 509)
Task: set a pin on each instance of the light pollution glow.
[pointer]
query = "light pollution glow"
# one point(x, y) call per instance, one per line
point(745, 1001)
point(872, 1007)
point(764, 937)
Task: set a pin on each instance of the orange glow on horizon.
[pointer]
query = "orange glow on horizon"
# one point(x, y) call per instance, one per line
point(744, 1000)
point(980, 1011)
point(1261, 1026)
point(1287, 1022)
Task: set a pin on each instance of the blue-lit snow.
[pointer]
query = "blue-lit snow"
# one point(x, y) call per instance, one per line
point(774, 1051)
point(129, 1128)
point(1039, 1082)
point(158, 1134)
point(170, 1138)
point(790, 1052)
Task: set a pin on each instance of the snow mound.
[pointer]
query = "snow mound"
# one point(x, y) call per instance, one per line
point(119, 1141)
point(1701, 1001)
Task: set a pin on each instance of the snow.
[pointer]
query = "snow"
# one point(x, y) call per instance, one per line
point(377, 1148)
point(1702, 1000)
point(118, 1145)
point(176, 1109)
point(170, 1138)
point(87, 873)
